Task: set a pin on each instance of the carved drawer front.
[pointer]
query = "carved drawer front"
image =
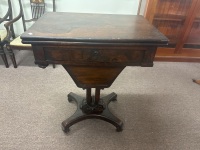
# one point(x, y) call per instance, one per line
point(94, 55)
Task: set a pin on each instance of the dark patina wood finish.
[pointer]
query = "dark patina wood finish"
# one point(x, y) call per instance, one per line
point(94, 49)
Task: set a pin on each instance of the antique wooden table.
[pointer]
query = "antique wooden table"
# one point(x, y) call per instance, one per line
point(94, 49)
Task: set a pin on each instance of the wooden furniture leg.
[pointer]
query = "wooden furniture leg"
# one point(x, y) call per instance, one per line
point(196, 81)
point(92, 107)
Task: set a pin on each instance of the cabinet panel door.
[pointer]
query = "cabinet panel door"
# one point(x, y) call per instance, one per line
point(170, 16)
point(193, 40)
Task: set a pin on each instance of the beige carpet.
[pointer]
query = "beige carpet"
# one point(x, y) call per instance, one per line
point(160, 108)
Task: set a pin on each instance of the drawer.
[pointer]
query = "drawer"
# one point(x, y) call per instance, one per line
point(94, 55)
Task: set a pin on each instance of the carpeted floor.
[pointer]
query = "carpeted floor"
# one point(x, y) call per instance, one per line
point(160, 108)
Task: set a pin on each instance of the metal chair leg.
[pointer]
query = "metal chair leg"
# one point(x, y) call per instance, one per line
point(3, 55)
point(12, 56)
point(54, 66)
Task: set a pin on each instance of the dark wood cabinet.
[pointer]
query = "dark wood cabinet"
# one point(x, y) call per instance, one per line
point(179, 20)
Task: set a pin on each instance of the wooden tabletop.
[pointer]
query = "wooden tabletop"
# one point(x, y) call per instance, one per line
point(82, 27)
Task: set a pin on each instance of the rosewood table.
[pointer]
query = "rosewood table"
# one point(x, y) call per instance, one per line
point(94, 49)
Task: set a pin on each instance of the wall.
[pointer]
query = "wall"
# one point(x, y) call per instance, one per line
point(82, 6)
point(143, 7)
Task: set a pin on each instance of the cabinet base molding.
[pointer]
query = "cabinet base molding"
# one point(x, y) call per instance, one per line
point(186, 55)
